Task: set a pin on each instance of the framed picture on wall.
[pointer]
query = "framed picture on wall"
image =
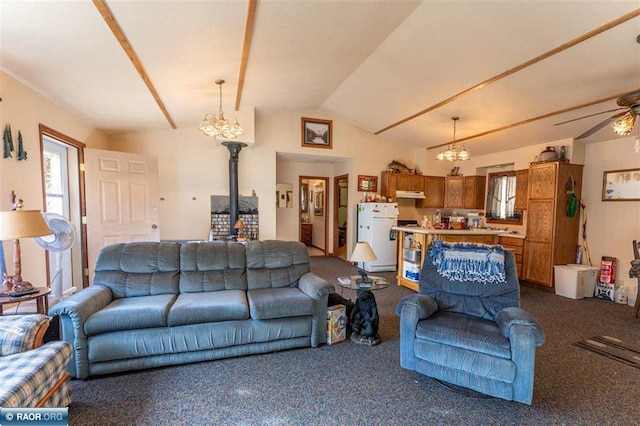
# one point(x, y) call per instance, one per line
point(621, 185)
point(317, 133)
point(367, 183)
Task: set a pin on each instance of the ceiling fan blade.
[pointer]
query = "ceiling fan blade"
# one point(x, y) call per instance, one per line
point(601, 125)
point(590, 115)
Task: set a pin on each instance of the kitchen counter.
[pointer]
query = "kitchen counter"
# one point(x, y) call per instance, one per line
point(408, 269)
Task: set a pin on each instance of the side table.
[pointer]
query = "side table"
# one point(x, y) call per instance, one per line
point(41, 298)
point(364, 318)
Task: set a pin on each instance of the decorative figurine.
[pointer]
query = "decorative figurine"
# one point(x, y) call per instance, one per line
point(22, 154)
point(8, 141)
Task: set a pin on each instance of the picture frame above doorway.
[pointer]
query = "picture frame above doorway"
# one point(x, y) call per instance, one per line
point(317, 133)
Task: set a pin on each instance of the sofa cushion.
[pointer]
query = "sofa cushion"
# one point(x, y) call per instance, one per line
point(209, 306)
point(279, 303)
point(139, 269)
point(18, 332)
point(273, 264)
point(212, 266)
point(130, 313)
point(466, 332)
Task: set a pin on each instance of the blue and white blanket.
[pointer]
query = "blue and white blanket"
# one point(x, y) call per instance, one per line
point(469, 262)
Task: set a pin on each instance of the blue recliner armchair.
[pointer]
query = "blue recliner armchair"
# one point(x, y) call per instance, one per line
point(465, 327)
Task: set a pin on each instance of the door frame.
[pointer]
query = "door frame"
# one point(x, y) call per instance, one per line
point(326, 209)
point(67, 140)
point(336, 206)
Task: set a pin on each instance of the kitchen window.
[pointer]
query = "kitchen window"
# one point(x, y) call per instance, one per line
point(501, 198)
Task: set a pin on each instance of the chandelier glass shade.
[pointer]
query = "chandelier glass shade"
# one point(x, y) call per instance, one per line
point(624, 125)
point(218, 125)
point(452, 154)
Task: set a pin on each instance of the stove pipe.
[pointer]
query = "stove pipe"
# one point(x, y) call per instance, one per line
point(234, 151)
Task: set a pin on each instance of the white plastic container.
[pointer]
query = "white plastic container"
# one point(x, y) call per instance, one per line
point(575, 281)
point(632, 291)
point(411, 271)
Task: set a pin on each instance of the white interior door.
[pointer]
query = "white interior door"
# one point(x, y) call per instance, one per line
point(122, 199)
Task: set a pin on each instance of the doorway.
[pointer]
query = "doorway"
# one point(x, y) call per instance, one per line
point(313, 216)
point(63, 193)
point(340, 213)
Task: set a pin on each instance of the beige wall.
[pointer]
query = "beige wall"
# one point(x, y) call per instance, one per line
point(25, 110)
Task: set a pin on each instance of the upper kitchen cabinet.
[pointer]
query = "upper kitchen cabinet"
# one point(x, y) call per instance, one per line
point(454, 192)
point(388, 185)
point(433, 193)
point(409, 182)
point(474, 193)
point(522, 184)
point(552, 234)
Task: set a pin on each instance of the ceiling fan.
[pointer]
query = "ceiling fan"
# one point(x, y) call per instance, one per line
point(622, 122)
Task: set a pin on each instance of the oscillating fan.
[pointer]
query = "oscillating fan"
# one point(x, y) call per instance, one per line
point(63, 238)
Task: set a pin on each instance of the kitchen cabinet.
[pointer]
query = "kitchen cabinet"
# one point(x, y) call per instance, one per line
point(516, 245)
point(433, 193)
point(454, 192)
point(306, 233)
point(474, 194)
point(522, 183)
point(391, 182)
point(470, 237)
point(552, 236)
point(409, 182)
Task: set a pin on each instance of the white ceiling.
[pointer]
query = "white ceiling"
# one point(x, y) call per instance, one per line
point(370, 63)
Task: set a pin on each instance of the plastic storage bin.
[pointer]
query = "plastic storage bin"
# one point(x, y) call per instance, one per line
point(575, 281)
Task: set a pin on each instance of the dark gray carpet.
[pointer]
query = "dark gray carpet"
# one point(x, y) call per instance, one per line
point(364, 385)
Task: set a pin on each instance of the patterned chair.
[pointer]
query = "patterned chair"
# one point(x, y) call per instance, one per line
point(465, 326)
point(32, 374)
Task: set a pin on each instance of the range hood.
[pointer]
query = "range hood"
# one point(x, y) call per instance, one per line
point(409, 194)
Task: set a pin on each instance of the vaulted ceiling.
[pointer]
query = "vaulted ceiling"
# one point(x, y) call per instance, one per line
point(399, 68)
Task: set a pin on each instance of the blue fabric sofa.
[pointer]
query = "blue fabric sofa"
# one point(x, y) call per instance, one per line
point(470, 333)
point(155, 304)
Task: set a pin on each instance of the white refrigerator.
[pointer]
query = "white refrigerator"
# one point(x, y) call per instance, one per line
point(375, 221)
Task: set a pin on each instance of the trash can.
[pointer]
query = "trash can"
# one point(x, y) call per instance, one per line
point(575, 281)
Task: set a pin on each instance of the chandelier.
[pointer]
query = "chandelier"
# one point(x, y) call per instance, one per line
point(217, 125)
point(452, 154)
point(624, 125)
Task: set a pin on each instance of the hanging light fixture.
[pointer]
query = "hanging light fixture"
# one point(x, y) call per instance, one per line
point(624, 125)
point(452, 154)
point(218, 125)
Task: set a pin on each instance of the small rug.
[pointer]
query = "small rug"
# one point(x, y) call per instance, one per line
point(613, 348)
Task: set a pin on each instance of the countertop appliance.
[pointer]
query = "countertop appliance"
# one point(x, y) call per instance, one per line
point(375, 223)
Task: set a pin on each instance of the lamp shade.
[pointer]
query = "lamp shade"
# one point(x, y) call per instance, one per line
point(239, 224)
point(362, 253)
point(16, 224)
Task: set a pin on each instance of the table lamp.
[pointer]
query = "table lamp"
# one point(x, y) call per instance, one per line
point(240, 226)
point(362, 253)
point(14, 225)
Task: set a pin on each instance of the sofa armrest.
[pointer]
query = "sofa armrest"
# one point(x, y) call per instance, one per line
point(21, 333)
point(423, 305)
point(510, 317)
point(314, 286)
point(73, 313)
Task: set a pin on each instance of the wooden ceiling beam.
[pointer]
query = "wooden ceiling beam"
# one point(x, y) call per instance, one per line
point(113, 25)
point(530, 120)
point(246, 47)
point(586, 36)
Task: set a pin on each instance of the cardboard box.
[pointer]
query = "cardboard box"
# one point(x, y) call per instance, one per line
point(336, 324)
point(607, 270)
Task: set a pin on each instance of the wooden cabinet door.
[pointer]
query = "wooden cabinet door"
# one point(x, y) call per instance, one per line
point(404, 181)
point(454, 192)
point(537, 263)
point(474, 195)
point(522, 184)
point(433, 193)
point(388, 185)
point(542, 181)
point(417, 183)
point(540, 221)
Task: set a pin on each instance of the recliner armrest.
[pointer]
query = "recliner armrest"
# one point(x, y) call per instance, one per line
point(425, 305)
point(314, 286)
point(508, 317)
